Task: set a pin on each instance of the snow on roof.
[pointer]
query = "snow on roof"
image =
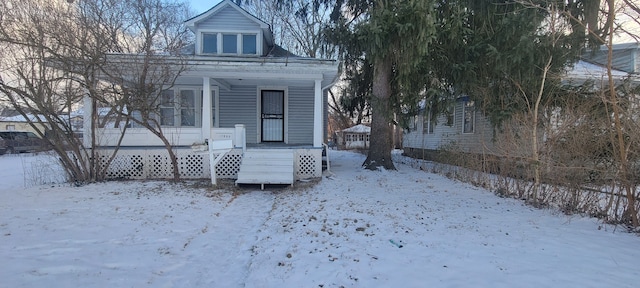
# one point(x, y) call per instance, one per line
point(584, 70)
point(358, 129)
point(20, 118)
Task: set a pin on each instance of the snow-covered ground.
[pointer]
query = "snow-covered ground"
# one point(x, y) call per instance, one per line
point(355, 228)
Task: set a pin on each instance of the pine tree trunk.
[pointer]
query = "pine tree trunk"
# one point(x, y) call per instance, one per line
point(381, 132)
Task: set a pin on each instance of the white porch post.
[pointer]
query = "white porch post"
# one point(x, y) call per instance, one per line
point(206, 108)
point(87, 114)
point(317, 115)
point(241, 138)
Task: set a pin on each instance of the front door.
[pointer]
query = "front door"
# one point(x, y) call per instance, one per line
point(272, 115)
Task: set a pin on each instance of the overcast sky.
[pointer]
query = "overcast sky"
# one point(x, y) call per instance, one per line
point(200, 6)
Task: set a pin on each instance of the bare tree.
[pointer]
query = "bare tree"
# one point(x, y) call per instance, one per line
point(62, 52)
point(149, 62)
point(53, 56)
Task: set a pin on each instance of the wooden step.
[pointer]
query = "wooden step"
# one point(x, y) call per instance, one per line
point(266, 166)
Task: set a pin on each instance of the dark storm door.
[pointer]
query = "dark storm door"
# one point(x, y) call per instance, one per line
point(272, 115)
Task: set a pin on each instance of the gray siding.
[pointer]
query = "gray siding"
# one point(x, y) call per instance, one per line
point(228, 18)
point(238, 106)
point(301, 115)
point(480, 141)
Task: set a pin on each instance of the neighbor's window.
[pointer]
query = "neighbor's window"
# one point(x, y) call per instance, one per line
point(451, 115)
point(249, 45)
point(468, 114)
point(230, 43)
point(210, 43)
point(427, 122)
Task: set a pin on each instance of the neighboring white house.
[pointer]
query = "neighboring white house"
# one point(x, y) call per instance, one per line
point(239, 86)
point(356, 137)
point(465, 129)
point(20, 123)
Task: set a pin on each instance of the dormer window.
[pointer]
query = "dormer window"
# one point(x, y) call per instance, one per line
point(249, 45)
point(229, 43)
point(210, 43)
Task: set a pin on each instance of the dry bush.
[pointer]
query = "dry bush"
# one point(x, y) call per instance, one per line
point(580, 173)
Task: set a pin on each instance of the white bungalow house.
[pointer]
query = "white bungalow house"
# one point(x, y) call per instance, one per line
point(355, 137)
point(264, 101)
point(465, 129)
point(21, 123)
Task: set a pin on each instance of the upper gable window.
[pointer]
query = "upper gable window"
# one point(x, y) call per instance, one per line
point(249, 45)
point(209, 43)
point(229, 43)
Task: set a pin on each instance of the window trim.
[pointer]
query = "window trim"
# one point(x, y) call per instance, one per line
point(465, 106)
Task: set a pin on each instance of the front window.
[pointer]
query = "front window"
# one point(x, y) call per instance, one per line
point(167, 110)
point(180, 108)
point(210, 43)
point(230, 43)
point(187, 108)
point(468, 115)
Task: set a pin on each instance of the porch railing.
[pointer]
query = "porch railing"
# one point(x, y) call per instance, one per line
point(178, 136)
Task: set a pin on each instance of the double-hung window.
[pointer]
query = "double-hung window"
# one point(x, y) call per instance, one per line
point(427, 122)
point(187, 108)
point(167, 108)
point(180, 108)
point(468, 117)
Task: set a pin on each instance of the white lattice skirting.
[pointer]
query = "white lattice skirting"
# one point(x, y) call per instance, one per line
point(155, 164)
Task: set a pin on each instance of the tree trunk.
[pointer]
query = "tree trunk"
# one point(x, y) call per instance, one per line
point(381, 132)
point(622, 153)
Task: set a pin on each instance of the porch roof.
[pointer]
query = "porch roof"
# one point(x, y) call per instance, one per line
point(233, 70)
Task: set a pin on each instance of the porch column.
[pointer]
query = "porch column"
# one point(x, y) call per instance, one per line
point(87, 114)
point(206, 108)
point(317, 115)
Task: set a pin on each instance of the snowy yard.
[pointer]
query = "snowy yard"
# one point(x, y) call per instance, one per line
point(355, 228)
